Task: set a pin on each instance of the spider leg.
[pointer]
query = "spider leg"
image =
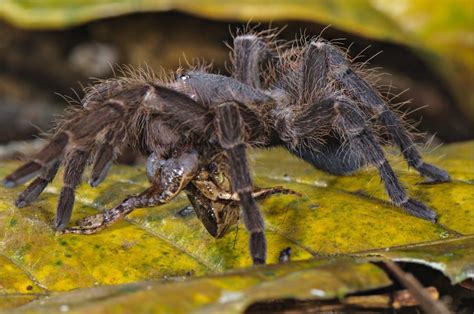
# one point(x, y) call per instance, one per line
point(368, 96)
point(98, 128)
point(230, 130)
point(315, 70)
point(103, 160)
point(174, 107)
point(170, 177)
point(75, 164)
point(180, 110)
point(350, 123)
point(51, 152)
point(77, 133)
point(312, 79)
point(31, 193)
point(86, 137)
point(248, 54)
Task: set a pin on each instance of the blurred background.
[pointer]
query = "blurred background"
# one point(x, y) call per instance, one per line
point(48, 48)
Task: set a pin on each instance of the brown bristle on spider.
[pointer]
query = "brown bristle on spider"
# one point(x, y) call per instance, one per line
point(305, 96)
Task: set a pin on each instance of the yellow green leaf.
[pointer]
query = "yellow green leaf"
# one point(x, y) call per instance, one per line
point(334, 218)
point(234, 291)
point(229, 293)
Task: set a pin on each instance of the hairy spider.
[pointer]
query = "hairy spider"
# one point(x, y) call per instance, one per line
point(195, 128)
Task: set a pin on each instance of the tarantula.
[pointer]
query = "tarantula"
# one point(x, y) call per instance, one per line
point(308, 98)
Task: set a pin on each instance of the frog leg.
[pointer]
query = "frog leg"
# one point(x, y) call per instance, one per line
point(171, 177)
point(218, 215)
point(258, 193)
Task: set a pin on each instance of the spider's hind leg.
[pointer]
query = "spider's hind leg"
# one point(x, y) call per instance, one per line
point(351, 124)
point(332, 155)
point(249, 52)
point(341, 71)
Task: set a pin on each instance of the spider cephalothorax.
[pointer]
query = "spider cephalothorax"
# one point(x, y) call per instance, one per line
point(196, 128)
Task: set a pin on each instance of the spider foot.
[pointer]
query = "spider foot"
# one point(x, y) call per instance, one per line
point(418, 209)
point(433, 174)
point(258, 247)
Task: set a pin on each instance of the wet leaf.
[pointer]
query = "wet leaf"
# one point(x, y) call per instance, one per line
point(229, 293)
point(336, 216)
point(234, 291)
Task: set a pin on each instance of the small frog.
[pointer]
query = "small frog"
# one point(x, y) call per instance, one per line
point(213, 201)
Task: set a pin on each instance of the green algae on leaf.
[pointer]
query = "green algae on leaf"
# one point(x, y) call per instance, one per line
point(334, 219)
point(228, 293)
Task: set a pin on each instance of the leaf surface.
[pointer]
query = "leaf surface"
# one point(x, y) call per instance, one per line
point(336, 219)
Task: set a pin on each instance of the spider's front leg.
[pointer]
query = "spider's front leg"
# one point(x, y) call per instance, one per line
point(96, 131)
point(168, 178)
point(231, 130)
point(38, 185)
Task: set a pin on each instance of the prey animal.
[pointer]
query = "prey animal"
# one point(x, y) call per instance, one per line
point(196, 127)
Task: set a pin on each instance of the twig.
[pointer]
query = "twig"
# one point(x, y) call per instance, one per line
point(396, 300)
point(426, 302)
